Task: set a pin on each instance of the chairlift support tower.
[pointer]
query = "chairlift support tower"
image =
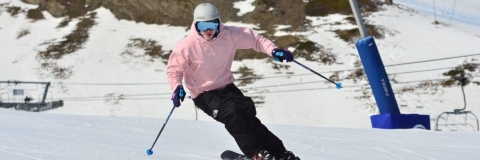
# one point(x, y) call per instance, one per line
point(35, 107)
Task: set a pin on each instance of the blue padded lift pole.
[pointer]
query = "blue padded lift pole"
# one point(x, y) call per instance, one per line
point(389, 117)
point(377, 76)
point(374, 68)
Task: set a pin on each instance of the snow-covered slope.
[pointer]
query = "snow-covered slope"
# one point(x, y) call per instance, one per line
point(301, 99)
point(27, 136)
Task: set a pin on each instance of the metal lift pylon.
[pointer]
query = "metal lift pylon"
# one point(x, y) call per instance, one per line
point(27, 105)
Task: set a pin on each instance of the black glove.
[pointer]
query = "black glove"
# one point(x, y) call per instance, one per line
point(282, 54)
point(178, 95)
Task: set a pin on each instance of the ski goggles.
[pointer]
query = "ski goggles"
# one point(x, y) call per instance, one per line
point(204, 26)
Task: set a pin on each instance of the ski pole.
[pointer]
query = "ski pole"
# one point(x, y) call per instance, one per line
point(338, 85)
point(149, 151)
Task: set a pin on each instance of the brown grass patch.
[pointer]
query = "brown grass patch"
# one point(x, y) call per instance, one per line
point(72, 42)
point(246, 76)
point(64, 22)
point(151, 47)
point(22, 33)
point(325, 7)
point(53, 70)
point(14, 10)
point(35, 14)
point(352, 35)
point(56, 50)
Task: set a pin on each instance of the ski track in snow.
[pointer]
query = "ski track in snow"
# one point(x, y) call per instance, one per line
point(388, 153)
point(19, 154)
point(416, 154)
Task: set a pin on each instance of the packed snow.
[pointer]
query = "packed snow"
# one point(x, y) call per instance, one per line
point(37, 136)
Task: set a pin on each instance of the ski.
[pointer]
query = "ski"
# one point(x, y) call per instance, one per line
point(231, 155)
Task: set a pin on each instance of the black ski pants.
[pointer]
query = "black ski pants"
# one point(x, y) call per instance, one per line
point(237, 112)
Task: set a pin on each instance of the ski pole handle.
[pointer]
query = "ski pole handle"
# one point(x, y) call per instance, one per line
point(338, 85)
point(149, 151)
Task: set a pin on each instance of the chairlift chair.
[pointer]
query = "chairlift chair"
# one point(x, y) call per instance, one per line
point(463, 81)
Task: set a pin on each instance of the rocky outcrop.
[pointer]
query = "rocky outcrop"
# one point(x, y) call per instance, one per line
point(172, 12)
point(267, 13)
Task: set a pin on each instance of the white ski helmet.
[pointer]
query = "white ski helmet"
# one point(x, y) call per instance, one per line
point(205, 12)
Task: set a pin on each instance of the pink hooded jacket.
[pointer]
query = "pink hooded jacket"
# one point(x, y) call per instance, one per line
point(205, 65)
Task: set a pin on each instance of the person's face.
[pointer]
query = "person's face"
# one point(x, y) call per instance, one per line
point(208, 34)
point(207, 29)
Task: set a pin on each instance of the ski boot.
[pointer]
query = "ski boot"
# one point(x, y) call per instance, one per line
point(263, 155)
point(289, 156)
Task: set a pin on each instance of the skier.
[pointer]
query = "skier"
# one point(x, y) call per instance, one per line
point(203, 59)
